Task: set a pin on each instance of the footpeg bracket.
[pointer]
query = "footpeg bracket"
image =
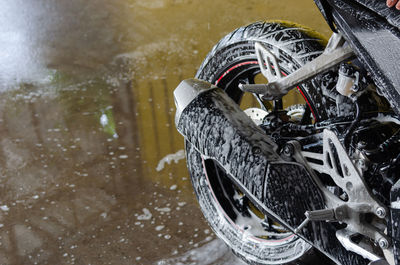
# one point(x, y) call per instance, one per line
point(278, 86)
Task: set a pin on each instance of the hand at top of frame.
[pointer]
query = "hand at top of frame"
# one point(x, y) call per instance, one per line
point(392, 3)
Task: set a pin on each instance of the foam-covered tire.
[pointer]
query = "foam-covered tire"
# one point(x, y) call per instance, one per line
point(230, 62)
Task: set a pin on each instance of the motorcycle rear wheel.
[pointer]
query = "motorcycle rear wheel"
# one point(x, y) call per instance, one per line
point(230, 62)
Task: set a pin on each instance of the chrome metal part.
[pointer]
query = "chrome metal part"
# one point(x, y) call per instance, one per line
point(256, 114)
point(380, 212)
point(269, 68)
point(321, 215)
point(383, 243)
point(345, 237)
point(334, 42)
point(389, 256)
point(317, 215)
point(186, 92)
point(268, 63)
point(302, 225)
point(335, 162)
point(279, 86)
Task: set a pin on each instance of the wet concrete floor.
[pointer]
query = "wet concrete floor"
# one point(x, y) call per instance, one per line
point(86, 118)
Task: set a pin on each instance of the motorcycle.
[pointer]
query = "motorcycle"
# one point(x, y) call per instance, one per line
point(315, 182)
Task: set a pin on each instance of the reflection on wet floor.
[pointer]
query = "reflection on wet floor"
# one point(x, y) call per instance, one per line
point(86, 118)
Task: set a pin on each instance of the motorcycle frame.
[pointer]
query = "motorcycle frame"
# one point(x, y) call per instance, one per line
point(372, 31)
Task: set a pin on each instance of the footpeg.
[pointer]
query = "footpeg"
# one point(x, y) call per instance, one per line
point(321, 215)
point(327, 215)
point(317, 215)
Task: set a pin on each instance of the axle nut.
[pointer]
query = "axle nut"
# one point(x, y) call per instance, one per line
point(288, 150)
point(380, 212)
point(383, 243)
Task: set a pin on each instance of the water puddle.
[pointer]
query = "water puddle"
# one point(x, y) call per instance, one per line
point(212, 252)
point(87, 121)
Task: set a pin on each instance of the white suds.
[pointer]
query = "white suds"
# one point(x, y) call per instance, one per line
point(169, 158)
point(146, 215)
point(4, 208)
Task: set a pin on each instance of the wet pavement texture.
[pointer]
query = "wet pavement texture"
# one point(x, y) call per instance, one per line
point(91, 167)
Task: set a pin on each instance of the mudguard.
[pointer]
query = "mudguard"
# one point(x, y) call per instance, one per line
point(219, 130)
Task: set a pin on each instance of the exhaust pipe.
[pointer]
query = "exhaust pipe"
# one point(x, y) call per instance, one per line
point(219, 130)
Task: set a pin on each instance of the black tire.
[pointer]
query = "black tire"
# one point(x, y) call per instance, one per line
point(231, 61)
point(294, 46)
